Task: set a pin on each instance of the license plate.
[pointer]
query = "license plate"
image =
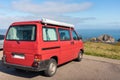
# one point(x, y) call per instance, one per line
point(19, 56)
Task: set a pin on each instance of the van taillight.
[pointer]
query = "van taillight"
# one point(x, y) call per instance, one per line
point(37, 58)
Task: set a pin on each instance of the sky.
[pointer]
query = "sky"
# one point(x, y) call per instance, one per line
point(84, 14)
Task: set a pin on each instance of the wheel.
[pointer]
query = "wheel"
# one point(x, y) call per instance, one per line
point(80, 56)
point(51, 68)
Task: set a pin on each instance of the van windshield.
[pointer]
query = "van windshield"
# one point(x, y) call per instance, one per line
point(21, 33)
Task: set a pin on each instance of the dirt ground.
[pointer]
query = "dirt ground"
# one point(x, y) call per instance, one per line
point(87, 69)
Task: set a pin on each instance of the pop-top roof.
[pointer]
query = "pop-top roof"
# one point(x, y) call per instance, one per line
point(48, 21)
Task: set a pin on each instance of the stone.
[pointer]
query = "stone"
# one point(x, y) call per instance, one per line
point(103, 38)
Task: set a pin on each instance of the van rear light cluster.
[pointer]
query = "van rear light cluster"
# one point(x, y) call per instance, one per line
point(37, 59)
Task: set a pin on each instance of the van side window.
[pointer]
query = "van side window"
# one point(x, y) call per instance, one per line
point(49, 34)
point(74, 35)
point(64, 34)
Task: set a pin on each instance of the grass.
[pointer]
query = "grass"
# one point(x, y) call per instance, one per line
point(103, 50)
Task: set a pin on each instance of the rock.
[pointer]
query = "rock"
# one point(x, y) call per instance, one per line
point(93, 39)
point(103, 38)
point(106, 38)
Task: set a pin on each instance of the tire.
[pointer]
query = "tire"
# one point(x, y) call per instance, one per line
point(51, 68)
point(80, 56)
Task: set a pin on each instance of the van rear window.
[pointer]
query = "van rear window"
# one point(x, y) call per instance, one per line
point(22, 33)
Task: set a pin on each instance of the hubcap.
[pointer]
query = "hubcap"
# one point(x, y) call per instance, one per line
point(52, 68)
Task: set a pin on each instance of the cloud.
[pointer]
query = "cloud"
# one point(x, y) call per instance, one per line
point(7, 20)
point(80, 23)
point(49, 7)
point(116, 23)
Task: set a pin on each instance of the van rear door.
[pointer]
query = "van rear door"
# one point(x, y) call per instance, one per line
point(20, 44)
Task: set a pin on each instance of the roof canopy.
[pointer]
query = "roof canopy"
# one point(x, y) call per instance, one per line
point(48, 21)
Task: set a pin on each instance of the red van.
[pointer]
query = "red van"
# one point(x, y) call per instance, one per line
point(41, 45)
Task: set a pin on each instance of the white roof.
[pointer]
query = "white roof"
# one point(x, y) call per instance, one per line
point(48, 21)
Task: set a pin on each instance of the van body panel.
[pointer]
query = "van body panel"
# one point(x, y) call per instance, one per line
point(47, 52)
point(77, 45)
point(17, 47)
point(65, 51)
point(49, 49)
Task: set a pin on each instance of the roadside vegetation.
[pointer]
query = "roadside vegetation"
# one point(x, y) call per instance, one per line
point(103, 50)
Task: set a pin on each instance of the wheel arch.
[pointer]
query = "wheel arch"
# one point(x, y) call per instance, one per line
point(56, 58)
point(82, 50)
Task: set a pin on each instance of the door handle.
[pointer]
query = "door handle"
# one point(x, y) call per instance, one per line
point(72, 42)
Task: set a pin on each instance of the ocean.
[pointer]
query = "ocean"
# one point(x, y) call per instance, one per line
point(90, 33)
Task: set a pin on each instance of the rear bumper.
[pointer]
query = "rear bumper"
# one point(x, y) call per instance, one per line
point(42, 65)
